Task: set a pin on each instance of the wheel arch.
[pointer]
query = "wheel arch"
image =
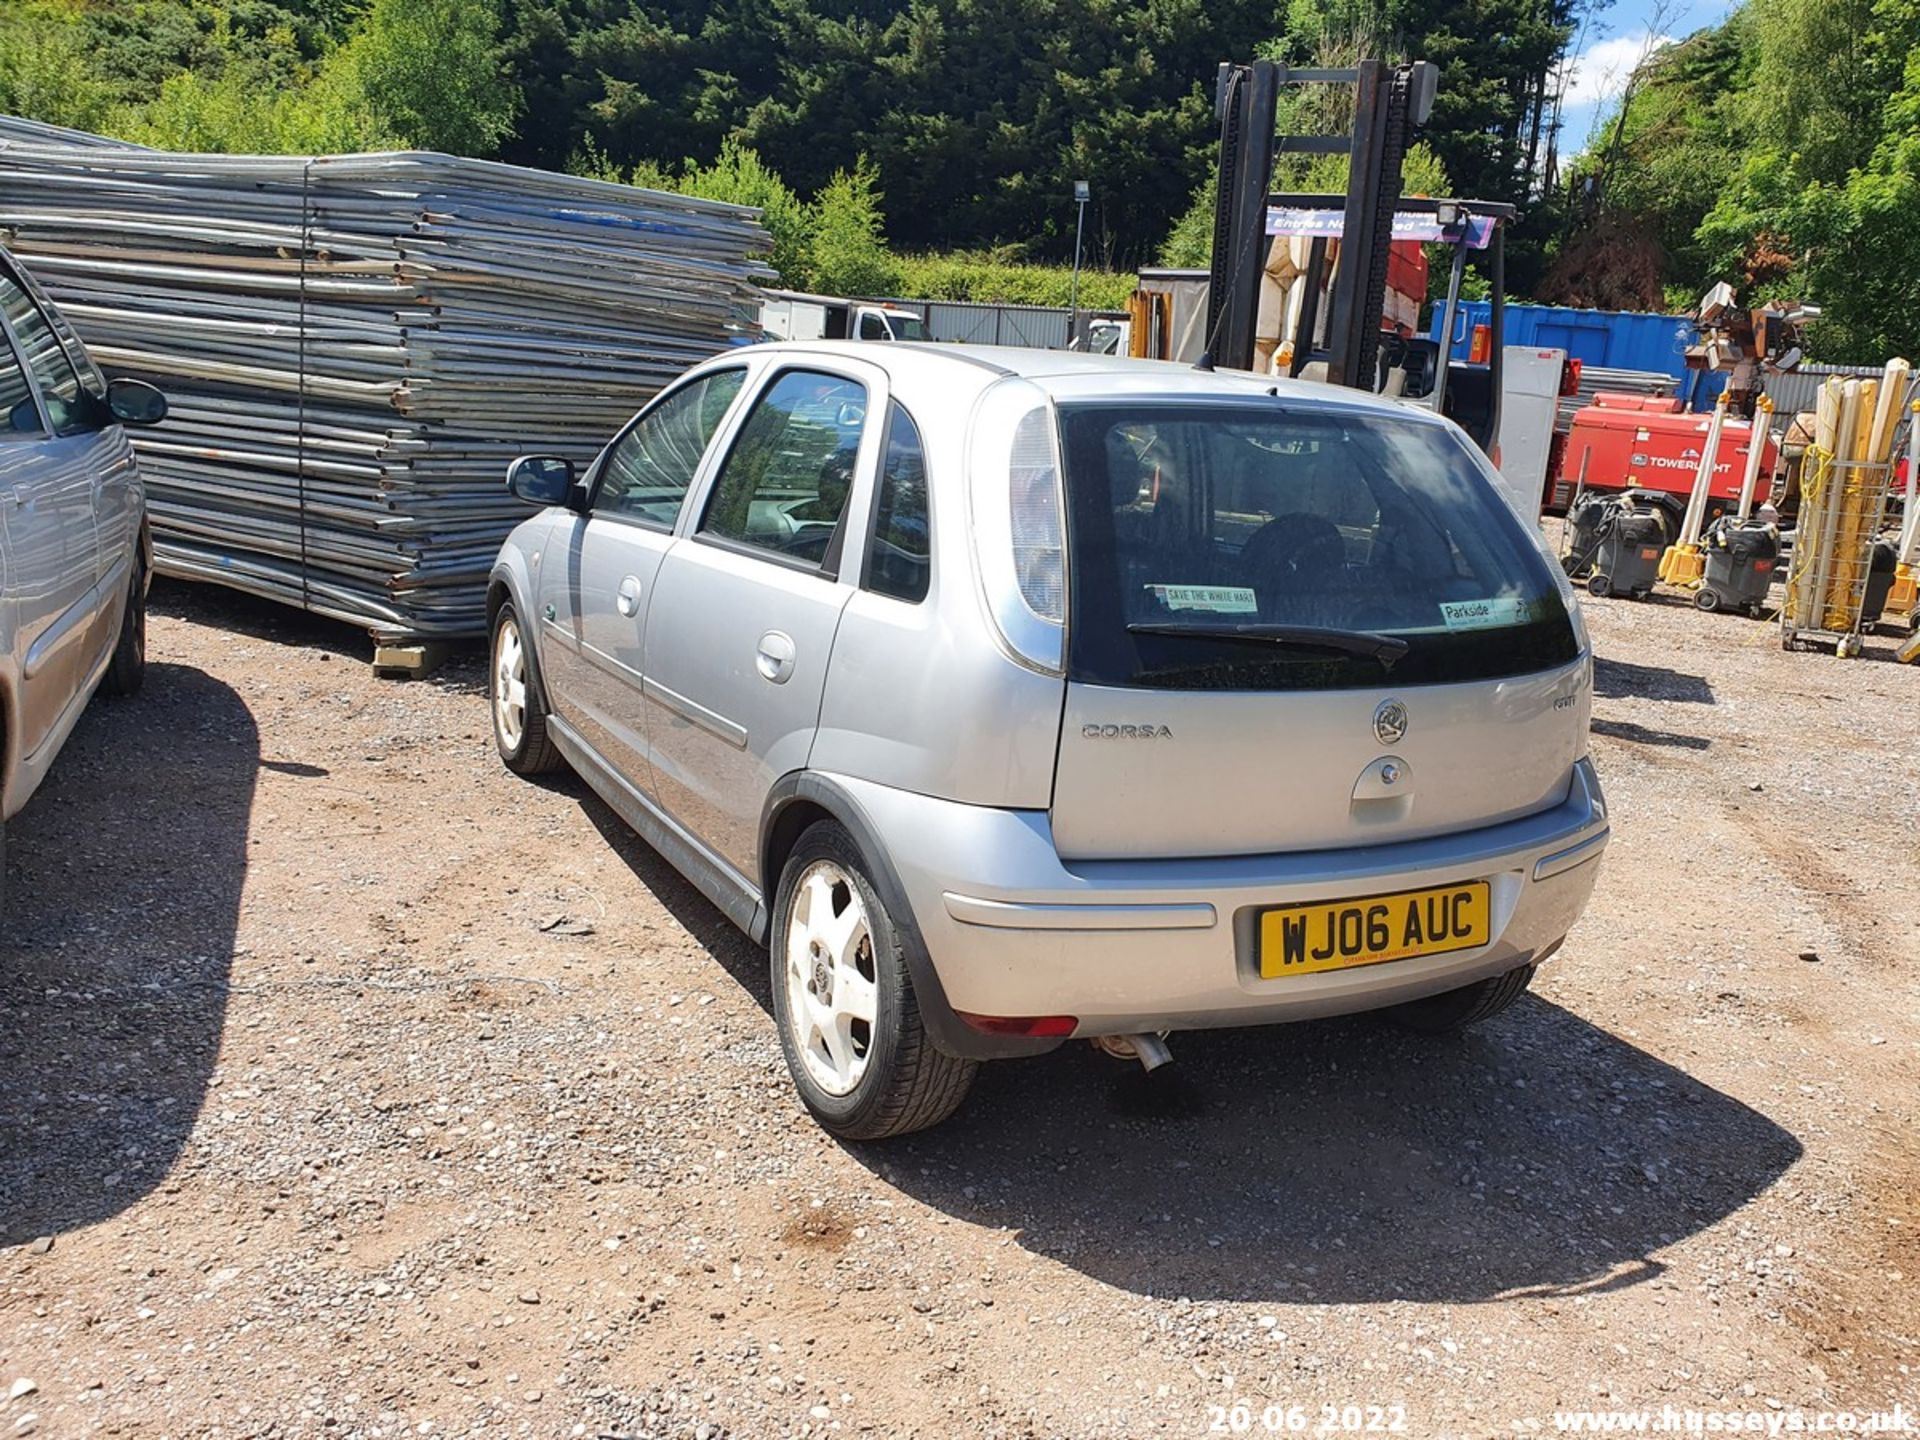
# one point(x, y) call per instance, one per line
point(499, 592)
point(8, 729)
point(803, 798)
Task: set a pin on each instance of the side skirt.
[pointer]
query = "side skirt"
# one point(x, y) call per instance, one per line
point(737, 900)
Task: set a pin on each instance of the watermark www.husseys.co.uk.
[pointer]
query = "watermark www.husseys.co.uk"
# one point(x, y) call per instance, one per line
point(1673, 1420)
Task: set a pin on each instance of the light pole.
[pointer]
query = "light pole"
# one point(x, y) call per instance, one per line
point(1082, 192)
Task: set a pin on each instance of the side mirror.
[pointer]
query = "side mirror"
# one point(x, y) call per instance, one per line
point(134, 402)
point(540, 479)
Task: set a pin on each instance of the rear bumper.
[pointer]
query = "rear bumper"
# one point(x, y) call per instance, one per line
point(1124, 946)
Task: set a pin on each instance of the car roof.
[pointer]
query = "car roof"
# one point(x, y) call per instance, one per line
point(1070, 375)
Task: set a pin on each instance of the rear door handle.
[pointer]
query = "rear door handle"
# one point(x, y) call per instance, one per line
point(774, 657)
point(627, 600)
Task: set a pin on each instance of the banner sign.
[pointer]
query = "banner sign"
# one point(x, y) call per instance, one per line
point(1331, 224)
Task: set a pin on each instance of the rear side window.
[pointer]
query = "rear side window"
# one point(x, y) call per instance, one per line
point(899, 558)
point(69, 408)
point(649, 468)
point(1209, 542)
point(785, 482)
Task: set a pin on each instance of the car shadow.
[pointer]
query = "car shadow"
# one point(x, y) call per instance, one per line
point(462, 670)
point(702, 919)
point(1333, 1162)
point(1642, 735)
point(1345, 1162)
point(124, 876)
point(1617, 679)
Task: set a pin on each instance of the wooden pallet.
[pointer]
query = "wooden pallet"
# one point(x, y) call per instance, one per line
point(408, 662)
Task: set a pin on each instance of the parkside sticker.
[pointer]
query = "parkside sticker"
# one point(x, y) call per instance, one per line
point(1479, 614)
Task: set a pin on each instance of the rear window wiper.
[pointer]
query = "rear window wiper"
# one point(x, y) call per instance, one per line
point(1366, 643)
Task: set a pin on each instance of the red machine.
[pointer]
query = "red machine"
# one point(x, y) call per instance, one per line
point(1641, 442)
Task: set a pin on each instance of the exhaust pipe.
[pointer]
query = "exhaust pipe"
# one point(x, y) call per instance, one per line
point(1150, 1050)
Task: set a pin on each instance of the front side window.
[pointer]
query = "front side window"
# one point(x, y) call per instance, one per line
point(18, 414)
point(649, 468)
point(91, 380)
point(70, 408)
point(899, 556)
point(872, 327)
point(1226, 546)
point(785, 483)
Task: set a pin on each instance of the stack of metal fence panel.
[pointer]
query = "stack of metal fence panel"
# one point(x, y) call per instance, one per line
point(355, 346)
point(1595, 378)
point(18, 130)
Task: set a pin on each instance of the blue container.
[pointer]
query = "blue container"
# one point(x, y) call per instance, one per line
point(1617, 339)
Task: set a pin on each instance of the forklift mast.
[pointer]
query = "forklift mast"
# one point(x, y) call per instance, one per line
point(1391, 102)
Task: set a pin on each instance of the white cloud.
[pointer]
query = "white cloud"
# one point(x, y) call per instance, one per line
point(1603, 71)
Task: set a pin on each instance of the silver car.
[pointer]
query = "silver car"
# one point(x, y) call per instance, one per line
point(74, 551)
point(1013, 696)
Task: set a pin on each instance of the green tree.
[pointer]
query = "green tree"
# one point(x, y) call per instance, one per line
point(1854, 238)
point(849, 252)
point(1673, 145)
point(1818, 83)
point(263, 98)
point(433, 72)
point(46, 71)
point(740, 177)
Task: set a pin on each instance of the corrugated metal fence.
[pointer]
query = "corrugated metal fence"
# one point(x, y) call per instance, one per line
point(1042, 327)
point(971, 322)
point(1796, 390)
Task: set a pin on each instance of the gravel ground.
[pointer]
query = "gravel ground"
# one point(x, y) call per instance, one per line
point(352, 1087)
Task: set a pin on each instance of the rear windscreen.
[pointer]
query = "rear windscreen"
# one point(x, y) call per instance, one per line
point(1197, 518)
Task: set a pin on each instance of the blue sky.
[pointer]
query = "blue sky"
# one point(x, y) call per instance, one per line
point(1612, 44)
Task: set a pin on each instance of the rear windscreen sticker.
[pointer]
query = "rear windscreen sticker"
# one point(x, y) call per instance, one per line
point(1218, 599)
point(1480, 614)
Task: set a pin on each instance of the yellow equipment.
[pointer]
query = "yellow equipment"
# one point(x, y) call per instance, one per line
point(1684, 563)
point(1843, 495)
point(1762, 420)
point(1904, 598)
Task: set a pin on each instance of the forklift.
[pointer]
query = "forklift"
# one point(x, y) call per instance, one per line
point(1349, 347)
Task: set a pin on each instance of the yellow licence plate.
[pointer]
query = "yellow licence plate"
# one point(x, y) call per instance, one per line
point(1303, 939)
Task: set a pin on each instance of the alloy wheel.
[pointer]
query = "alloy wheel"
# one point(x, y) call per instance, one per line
point(509, 684)
point(832, 1000)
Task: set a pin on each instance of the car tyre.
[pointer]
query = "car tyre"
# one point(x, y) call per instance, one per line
point(1454, 1010)
point(127, 670)
point(843, 999)
point(517, 700)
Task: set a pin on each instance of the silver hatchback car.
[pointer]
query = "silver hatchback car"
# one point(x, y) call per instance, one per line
point(74, 550)
point(1011, 696)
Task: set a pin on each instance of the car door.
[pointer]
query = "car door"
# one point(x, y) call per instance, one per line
point(747, 604)
point(597, 569)
point(47, 505)
point(118, 502)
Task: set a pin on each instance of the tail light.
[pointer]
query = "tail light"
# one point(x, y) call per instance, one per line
point(1570, 378)
point(1034, 1027)
point(1019, 524)
point(1033, 498)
